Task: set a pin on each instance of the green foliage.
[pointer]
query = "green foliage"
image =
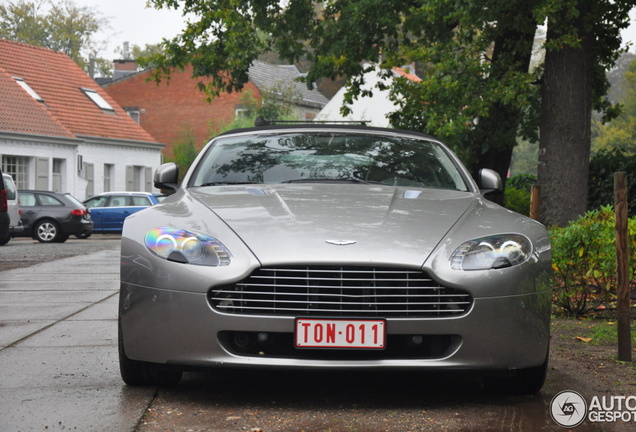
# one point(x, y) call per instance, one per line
point(58, 25)
point(478, 92)
point(474, 96)
point(603, 165)
point(517, 200)
point(142, 55)
point(184, 152)
point(522, 181)
point(525, 158)
point(620, 133)
point(584, 261)
point(273, 105)
point(517, 193)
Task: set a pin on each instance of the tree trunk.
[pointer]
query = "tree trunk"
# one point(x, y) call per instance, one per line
point(566, 109)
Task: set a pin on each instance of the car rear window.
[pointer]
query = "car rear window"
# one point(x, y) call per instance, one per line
point(48, 200)
point(74, 200)
point(141, 201)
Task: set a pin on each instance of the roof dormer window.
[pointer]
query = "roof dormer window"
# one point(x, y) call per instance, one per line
point(22, 83)
point(98, 99)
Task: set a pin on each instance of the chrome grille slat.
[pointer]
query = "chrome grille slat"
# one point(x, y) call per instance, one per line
point(220, 292)
point(323, 311)
point(351, 291)
point(350, 303)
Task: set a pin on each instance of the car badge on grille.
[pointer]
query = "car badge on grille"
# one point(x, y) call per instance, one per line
point(341, 242)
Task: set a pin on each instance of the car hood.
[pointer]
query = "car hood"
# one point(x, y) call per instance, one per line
point(336, 223)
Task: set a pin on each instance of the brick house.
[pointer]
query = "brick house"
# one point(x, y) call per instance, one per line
point(170, 110)
point(60, 131)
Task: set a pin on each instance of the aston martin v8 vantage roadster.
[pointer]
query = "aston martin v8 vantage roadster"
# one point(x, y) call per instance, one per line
point(332, 246)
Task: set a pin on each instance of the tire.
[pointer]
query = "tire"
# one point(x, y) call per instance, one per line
point(47, 231)
point(4, 241)
point(523, 382)
point(137, 373)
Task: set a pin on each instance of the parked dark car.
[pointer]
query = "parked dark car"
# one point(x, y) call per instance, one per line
point(108, 210)
point(4, 213)
point(52, 217)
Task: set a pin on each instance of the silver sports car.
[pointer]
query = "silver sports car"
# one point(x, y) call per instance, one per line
point(332, 246)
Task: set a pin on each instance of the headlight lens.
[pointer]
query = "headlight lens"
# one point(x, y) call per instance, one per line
point(187, 247)
point(493, 252)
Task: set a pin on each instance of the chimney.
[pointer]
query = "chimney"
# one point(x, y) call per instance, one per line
point(125, 66)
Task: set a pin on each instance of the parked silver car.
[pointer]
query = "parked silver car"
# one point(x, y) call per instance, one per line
point(13, 209)
point(322, 246)
point(5, 235)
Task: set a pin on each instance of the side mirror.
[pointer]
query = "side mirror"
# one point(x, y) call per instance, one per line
point(489, 180)
point(167, 177)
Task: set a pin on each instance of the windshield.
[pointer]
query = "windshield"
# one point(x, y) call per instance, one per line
point(328, 157)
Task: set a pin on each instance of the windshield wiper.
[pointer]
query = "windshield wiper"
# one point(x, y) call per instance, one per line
point(332, 180)
point(228, 183)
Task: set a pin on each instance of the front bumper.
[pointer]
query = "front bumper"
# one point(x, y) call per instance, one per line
point(175, 327)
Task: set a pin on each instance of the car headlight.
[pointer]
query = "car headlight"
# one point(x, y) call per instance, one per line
point(493, 252)
point(187, 247)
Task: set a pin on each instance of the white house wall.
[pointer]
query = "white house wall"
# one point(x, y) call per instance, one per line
point(40, 153)
point(146, 160)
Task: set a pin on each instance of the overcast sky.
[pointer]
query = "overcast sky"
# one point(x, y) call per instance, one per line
point(132, 22)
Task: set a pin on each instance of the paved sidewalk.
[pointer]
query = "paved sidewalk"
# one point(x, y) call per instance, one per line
point(58, 348)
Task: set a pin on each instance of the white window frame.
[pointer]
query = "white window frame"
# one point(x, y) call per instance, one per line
point(98, 99)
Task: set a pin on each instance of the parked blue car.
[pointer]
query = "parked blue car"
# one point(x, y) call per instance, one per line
point(109, 209)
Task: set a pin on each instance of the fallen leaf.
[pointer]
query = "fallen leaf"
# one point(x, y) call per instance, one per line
point(583, 339)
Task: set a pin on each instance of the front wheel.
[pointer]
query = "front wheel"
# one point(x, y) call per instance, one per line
point(4, 241)
point(139, 373)
point(523, 382)
point(47, 231)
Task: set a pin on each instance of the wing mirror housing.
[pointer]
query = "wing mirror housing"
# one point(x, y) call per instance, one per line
point(167, 177)
point(489, 180)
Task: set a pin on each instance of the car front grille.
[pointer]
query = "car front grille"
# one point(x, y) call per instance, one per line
point(340, 291)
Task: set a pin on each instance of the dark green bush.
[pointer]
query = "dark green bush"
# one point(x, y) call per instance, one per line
point(603, 165)
point(517, 193)
point(584, 261)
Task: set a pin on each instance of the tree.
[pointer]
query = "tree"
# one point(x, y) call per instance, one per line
point(476, 88)
point(184, 152)
point(58, 25)
point(621, 132)
point(477, 92)
point(583, 42)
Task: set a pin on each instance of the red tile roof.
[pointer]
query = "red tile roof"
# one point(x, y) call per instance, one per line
point(66, 111)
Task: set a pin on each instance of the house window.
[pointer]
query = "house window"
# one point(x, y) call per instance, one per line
point(241, 111)
point(98, 99)
point(133, 112)
point(138, 180)
point(58, 174)
point(18, 168)
point(22, 83)
point(109, 169)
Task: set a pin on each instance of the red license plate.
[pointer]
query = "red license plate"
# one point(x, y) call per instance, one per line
point(340, 333)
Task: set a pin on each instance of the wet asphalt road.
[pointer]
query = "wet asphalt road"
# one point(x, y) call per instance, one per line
point(59, 370)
